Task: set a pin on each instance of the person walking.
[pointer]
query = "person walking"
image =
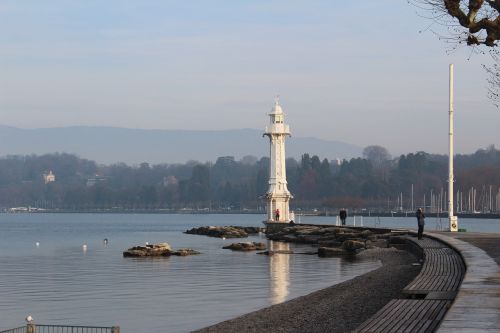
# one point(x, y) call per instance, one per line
point(343, 215)
point(421, 222)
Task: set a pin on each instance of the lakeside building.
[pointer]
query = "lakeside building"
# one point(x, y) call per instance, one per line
point(277, 196)
point(49, 177)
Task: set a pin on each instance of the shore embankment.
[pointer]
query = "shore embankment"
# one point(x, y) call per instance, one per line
point(340, 308)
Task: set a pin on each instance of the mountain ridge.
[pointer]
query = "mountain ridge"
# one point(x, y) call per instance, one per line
point(107, 144)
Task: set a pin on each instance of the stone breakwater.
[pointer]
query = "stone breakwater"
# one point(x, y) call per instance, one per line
point(333, 241)
point(157, 250)
point(225, 232)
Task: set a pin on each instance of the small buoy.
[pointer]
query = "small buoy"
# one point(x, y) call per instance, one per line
point(147, 243)
point(37, 244)
point(223, 238)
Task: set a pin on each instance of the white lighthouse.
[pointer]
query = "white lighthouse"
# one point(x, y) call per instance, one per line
point(277, 196)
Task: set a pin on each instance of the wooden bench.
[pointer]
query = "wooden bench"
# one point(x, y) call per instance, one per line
point(430, 294)
point(407, 315)
point(442, 271)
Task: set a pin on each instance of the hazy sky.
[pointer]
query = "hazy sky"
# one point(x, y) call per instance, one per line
point(354, 71)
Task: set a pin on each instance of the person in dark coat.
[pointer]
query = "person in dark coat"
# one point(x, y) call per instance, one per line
point(277, 215)
point(343, 215)
point(421, 222)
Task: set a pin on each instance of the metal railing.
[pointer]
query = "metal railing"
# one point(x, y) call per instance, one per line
point(32, 328)
point(15, 330)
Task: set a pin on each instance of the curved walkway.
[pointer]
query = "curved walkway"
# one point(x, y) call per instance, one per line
point(428, 296)
point(477, 305)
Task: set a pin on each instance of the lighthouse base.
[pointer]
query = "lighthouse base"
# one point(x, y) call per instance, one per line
point(272, 226)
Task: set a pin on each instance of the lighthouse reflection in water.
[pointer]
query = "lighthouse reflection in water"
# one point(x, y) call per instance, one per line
point(279, 269)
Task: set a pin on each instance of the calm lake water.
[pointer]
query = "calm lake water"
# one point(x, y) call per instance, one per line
point(57, 282)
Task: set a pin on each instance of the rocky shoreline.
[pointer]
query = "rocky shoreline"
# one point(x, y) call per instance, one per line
point(333, 240)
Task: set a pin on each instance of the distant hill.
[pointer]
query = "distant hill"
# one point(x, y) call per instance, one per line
point(111, 144)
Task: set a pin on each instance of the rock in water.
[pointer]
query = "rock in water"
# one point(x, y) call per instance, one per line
point(157, 250)
point(331, 251)
point(353, 245)
point(184, 252)
point(252, 230)
point(247, 246)
point(330, 243)
point(224, 232)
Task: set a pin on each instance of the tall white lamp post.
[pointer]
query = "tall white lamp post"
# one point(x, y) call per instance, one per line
point(452, 219)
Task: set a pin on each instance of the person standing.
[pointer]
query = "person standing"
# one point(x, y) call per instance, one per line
point(421, 222)
point(343, 215)
point(277, 215)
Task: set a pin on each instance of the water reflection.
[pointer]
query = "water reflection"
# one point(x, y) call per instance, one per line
point(279, 269)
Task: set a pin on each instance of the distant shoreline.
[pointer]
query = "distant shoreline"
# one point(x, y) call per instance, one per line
point(25, 210)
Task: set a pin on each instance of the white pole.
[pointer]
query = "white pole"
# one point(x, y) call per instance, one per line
point(491, 203)
point(452, 219)
point(431, 202)
point(412, 208)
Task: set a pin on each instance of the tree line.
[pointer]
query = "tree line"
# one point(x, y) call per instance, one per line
point(374, 181)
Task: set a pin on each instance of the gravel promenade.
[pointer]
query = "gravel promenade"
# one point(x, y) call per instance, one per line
point(340, 308)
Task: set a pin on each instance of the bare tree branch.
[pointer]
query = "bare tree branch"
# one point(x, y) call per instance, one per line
point(478, 19)
point(493, 80)
point(472, 22)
